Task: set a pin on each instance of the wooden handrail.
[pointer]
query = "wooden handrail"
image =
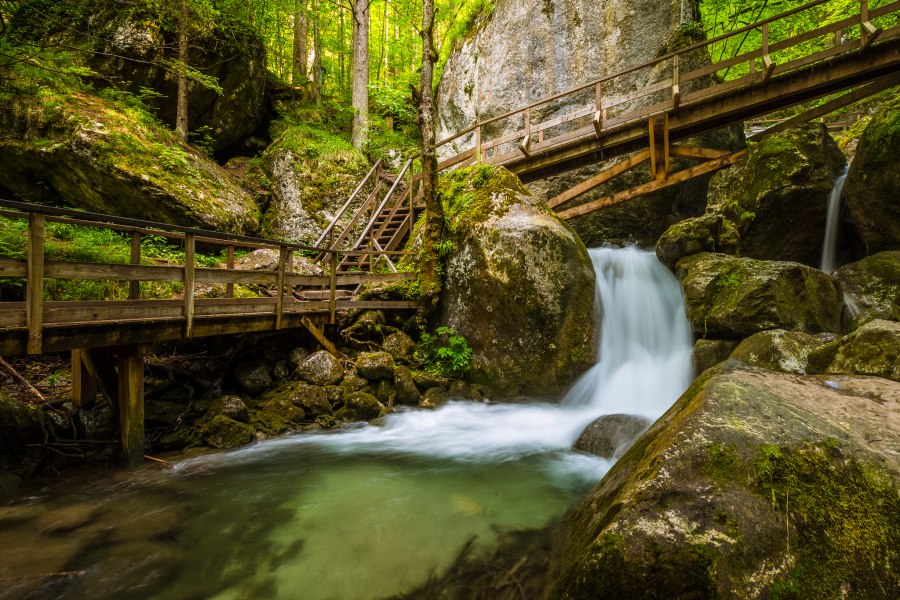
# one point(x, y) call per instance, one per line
point(347, 204)
point(384, 202)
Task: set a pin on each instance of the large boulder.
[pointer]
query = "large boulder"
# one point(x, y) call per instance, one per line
point(321, 368)
point(873, 349)
point(611, 435)
point(311, 174)
point(519, 285)
point(754, 484)
point(871, 288)
point(731, 298)
point(104, 156)
point(770, 205)
point(780, 350)
point(873, 182)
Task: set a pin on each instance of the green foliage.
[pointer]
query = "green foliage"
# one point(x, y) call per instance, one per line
point(444, 352)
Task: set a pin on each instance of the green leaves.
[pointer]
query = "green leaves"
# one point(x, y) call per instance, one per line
point(444, 352)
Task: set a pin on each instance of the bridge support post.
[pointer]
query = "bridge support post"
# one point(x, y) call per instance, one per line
point(84, 385)
point(130, 371)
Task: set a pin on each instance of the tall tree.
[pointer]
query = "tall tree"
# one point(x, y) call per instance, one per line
point(181, 110)
point(429, 267)
point(360, 82)
point(298, 73)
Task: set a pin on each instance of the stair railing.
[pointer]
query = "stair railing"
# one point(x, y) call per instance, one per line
point(328, 230)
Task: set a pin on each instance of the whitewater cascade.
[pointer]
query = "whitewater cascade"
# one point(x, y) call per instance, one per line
point(643, 365)
point(831, 223)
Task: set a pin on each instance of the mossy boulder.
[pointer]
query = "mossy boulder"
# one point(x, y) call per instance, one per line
point(777, 196)
point(375, 365)
point(425, 380)
point(871, 288)
point(873, 349)
point(753, 485)
point(611, 435)
point(360, 406)
point(321, 368)
point(105, 156)
point(707, 233)
point(224, 432)
point(313, 399)
point(405, 386)
point(434, 397)
point(519, 285)
point(310, 174)
point(872, 183)
point(275, 412)
point(780, 350)
point(400, 346)
point(731, 298)
point(708, 353)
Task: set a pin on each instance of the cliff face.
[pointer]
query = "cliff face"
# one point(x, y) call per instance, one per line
point(528, 50)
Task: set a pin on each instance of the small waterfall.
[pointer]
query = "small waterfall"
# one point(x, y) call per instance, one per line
point(831, 223)
point(644, 360)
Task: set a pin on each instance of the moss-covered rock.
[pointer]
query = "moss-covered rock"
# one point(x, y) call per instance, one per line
point(780, 350)
point(375, 365)
point(519, 284)
point(276, 413)
point(872, 183)
point(405, 386)
point(223, 432)
point(434, 397)
point(708, 233)
point(109, 157)
point(310, 173)
point(360, 406)
point(873, 349)
point(313, 399)
point(611, 435)
point(753, 485)
point(871, 288)
point(777, 196)
point(732, 298)
point(400, 346)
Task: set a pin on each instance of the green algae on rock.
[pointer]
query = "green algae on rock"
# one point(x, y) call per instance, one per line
point(754, 484)
point(780, 350)
point(873, 349)
point(871, 288)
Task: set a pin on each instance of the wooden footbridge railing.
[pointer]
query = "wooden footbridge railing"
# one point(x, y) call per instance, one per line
point(109, 338)
point(647, 109)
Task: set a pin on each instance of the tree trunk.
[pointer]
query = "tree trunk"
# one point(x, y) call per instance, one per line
point(360, 85)
point(316, 90)
point(181, 111)
point(429, 263)
point(298, 75)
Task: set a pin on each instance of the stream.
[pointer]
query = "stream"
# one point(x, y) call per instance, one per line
point(366, 512)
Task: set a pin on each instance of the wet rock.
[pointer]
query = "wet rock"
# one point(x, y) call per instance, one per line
point(313, 399)
point(873, 349)
point(334, 394)
point(433, 398)
point(777, 195)
point(321, 368)
point(873, 180)
point(276, 413)
point(707, 233)
point(280, 370)
point(708, 353)
point(223, 432)
point(734, 491)
point(460, 389)
point(425, 380)
point(231, 406)
point(360, 406)
point(99, 422)
point(405, 386)
point(400, 346)
point(253, 376)
point(780, 350)
point(871, 288)
point(519, 285)
point(731, 298)
point(611, 435)
point(375, 365)
point(354, 383)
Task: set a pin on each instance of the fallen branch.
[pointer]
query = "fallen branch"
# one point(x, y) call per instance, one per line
point(21, 380)
point(154, 459)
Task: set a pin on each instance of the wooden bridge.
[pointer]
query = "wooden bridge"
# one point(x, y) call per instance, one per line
point(109, 338)
point(642, 114)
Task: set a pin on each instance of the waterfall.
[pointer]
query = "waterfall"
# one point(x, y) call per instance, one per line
point(831, 223)
point(643, 365)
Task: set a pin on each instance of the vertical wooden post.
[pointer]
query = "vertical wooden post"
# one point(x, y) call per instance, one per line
point(332, 288)
point(34, 285)
point(598, 109)
point(134, 287)
point(478, 144)
point(279, 291)
point(651, 131)
point(84, 386)
point(767, 65)
point(189, 285)
point(229, 287)
point(867, 32)
point(130, 367)
point(676, 82)
point(665, 146)
point(526, 141)
point(289, 269)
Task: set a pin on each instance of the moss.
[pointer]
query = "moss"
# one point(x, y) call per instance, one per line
point(469, 196)
point(722, 462)
point(846, 516)
point(224, 432)
point(886, 125)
